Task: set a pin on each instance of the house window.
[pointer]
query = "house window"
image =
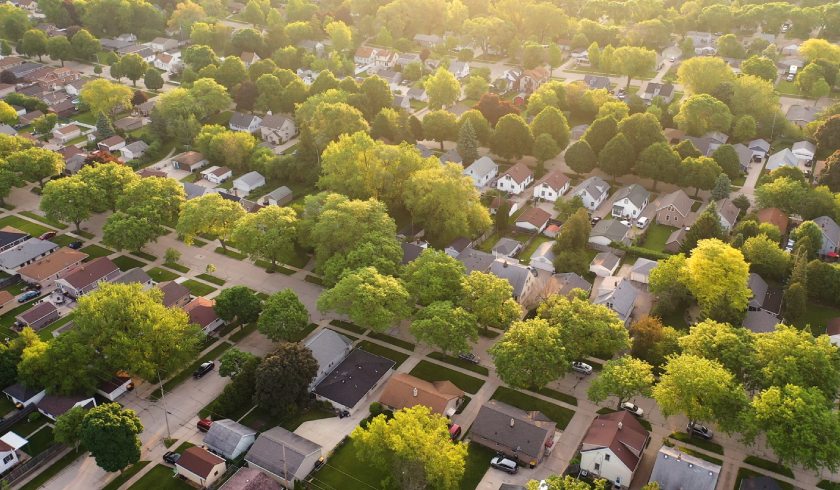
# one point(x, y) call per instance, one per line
point(597, 466)
point(606, 457)
point(8, 458)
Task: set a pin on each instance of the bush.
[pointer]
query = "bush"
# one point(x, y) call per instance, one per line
point(376, 408)
point(34, 416)
point(640, 252)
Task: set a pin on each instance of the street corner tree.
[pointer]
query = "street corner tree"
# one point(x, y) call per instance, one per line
point(238, 303)
point(283, 316)
point(209, 214)
point(370, 299)
point(268, 234)
point(450, 328)
point(586, 329)
point(110, 433)
point(69, 199)
point(111, 180)
point(126, 232)
point(530, 354)
point(433, 276)
point(490, 299)
point(717, 276)
point(36, 164)
point(512, 137)
point(622, 378)
point(283, 378)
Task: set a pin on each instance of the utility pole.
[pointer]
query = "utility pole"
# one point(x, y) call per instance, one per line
point(165, 412)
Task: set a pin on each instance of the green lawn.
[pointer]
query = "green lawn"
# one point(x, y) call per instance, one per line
point(558, 395)
point(230, 253)
point(478, 461)
point(304, 333)
point(260, 420)
point(198, 288)
point(744, 473)
point(817, 316)
point(95, 251)
point(183, 447)
point(39, 441)
point(176, 267)
point(789, 88)
point(392, 340)
point(532, 247)
point(243, 332)
point(344, 469)
point(46, 332)
point(770, 466)
point(455, 361)
point(159, 275)
point(63, 240)
point(397, 357)
point(212, 279)
point(53, 470)
point(26, 428)
point(187, 371)
point(435, 372)
point(314, 280)
point(703, 456)
point(828, 485)
point(657, 236)
point(125, 475)
point(45, 220)
point(561, 415)
point(8, 318)
point(144, 256)
point(696, 441)
point(6, 406)
point(161, 478)
point(124, 262)
point(348, 326)
point(24, 225)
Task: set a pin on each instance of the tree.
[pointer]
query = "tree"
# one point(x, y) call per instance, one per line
point(512, 137)
point(104, 126)
point(152, 79)
point(234, 361)
point(439, 126)
point(765, 257)
point(68, 427)
point(209, 214)
point(795, 300)
point(703, 74)
point(34, 43)
point(730, 346)
point(492, 107)
point(450, 328)
point(475, 87)
point(792, 356)
point(700, 173)
point(377, 96)
point(433, 276)
point(370, 299)
point(653, 342)
point(59, 48)
point(722, 188)
point(744, 128)
point(580, 157)
point(530, 354)
point(702, 113)
point(617, 157)
point(340, 35)
point(8, 180)
point(442, 88)
point(634, 61)
point(85, 46)
point(157, 199)
point(329, 121)
point(110, 432)
point(231, 72)
point(238, 302)
point(657, 162)
point(283, 316)
point(44, 124)
point(104, 96)
point(268, 234)
point(552, 122)
point(600, 132)
point(490, 299)
point(642, 130)
point(283, 378)
point(544, 149)
point(133, 66)
point(622, 378)
point(110, 181)
point(716, 275)
point(808, 239)
point(586, 329)
point(827, 134)
point(701, 389)
point(36, 164)
point(69, 199)
point(830, 175)
point(467, 144)
point(727, 158)
point(415, 446)
point(126, 232)
point(557, 482)
point(761, 67)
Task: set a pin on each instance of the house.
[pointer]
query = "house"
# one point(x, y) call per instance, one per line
point(461, 69)
point(675, 241)
point(640, 272)
point(25, 253)
point(593, 191)
point(405, 391)
point(87, 277)
point(630, 201)
point(428, 40)
point(663, 90)
point(401, 102)
point(552, 186)
point(54, 406)
point(9, 445)
point(675, 469)
point(482, 171)
point(248, 182)
point(328, 348)
point(534, 219)
point(523, 436)
point(202, 313)
point(163, 44)
point(804, 150)
point(608, 231)
point(200, 466)
point(128, 124)
point(783, 158)
point(11, 238)
point(112, 144)
point(115, 387)
point(411, 251)
point(229, 439)
point(278, 197)
point(276, 129)
point(404, 59)
point(832, 329)
point(759, 482)
point(66, 133)
point(134, 150)
point(424, 150)
point(727, 213)
point(189, 160)
point(775, 217)
point(64, 108)
point(830, 236)
point(418, 94)
point(26, 119)
point(764, 297)
point(145, 109)
point(174, 294)
point(801, 115)
point(506, 247)
point(451, 156)
point(216, 174)
point(284, 456)
point(39, 316)
point(604, 264)
point(384, 58)
point(745, 156)
point(759, 147)
point(364, 55)
point(392, 78)
point(194, 190)
point(498, 202)
point(250, 479)
point(700, 39)
point(135, 275)
point(457, 246)
point(617, 294)
point(520, 277)
point(23, 396)
point(566, 282)
point(249, 58)
point(74, 159)
point(475, 260)
point(597, 82)
point(612, 447)
point(8, 130)
point(543, 257)
point(532, 79)
point(168, 62)
point(247, 123)
point(673, 209)
point(353, 379)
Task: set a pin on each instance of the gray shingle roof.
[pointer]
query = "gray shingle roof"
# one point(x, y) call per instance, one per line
point(26, 251)
point(475, 260)
point(133, 275)
point(328, 348)
point(527, 432)
point(516, 274)
point(251, 179)
point(242, 120)
point(679, 199)
point(618, 296)
point(784, 158)
point(613, 229)
point(354, 377)
point(506, 246)
point(224, 435)
point(830, 229)
point(635, 193)
point(675, 469)
point(594, 186)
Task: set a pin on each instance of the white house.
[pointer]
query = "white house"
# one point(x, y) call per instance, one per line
point(277, 129)
point(515, 179)
point(200, 466)
point(804, 150)
point(676, 469)
point(607, 231)
point(278, 197)
point(461, 69)
point(229, 439)
point(384, 58)
point(66, 133)
point(612, 447)
point(112, 144)
point(9, 445)
point(482, 171)
point(163, 44)
point(248, 182)
point(247, 123)
point(534, 219)
point(593, 191)
point(604, 264)
point(22, 395)
point(784, 158)
point(830, 236)
point(364, 55)
point(189, 160)
point(283, 455)
point(54, 406)
point(543, 257)
point(202, 313)
point(630, 201)
point(552, 186)
point(115, 387)
point(134, 150)
point(759, 147)
point(216, 174)
point(168, 62)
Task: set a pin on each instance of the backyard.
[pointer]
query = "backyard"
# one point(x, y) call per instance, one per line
point(657, 236)
point(816, 317)
point(160, 478)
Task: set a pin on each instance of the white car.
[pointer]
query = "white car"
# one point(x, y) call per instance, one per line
point(581, 367)
point(507, 465)
point(642, 222)
point(633, 408)
point(625, 223)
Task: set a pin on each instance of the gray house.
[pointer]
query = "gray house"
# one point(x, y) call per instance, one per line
point(521, 435)
point(674, 469)
point(229, 439)
point(617, 294)
point(830, 236)
point(283, 455)
point(329, 348)
point(520, 277)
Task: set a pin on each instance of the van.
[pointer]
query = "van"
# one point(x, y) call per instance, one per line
point(793, 69)
point(504, 464)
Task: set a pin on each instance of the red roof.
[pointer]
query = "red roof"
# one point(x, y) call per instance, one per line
point(621, 433)
point(535, 216)
point(199, 461)
point(518, 173)
point(201, 311)
point(93, 271)
point(833, 326)
point(555, 180)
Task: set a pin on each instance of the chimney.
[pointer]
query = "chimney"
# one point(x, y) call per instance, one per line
point(414, 391)
point(512, 421)
point(620, 425)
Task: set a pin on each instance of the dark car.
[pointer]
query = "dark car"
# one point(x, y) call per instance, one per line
point(469, 357)
point(171, 457)
point(23, 298)
point(697, 430)
point(75, 245)
point(594, 220)
point(204, 369)
point(47, 235)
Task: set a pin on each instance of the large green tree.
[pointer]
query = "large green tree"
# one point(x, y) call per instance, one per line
point(283, 316)
point(586, 329)
point(239, 303)
point(512, 137)
point(128, 232)
point(731, 346)
point(442, 88)
point(658, 162)
point(530, 354)
point(634, 61)
point(490, 299)
point(101, 95)
point(110, 433)
point(69, 199)
point(283, 378)
point(450, 328)
point(702, 113)
point(617, 157)
point(433, 276)
point(622, 378)
point(701, 75)
point(552, 122)
point(268, 234)
point(209, 214)
point(716, 275)
point(580, 157)
point(369, 298)
point(110, 180)
point(36, 164)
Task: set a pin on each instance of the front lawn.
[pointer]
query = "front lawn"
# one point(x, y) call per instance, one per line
point(187, 371)
point(159, 275)
point(816, 316)
point(243, 332)
point(561, 415)
point(176, 267)
point(44, 219)
point(124, 262)
point(40, 441)
point(46, 333)
point(397, 357)
point(478, 461)
point(24, 225)
point(455, 361)
point(53, 470)
point(160, 478)
point(697, 441)
point(657, 236)
point(770, 466)
point(126, 475)
point(63, 240)
point(434, 372)
point(392, 340)
point(198, 288)
point(211, 279)
point(528, 251)
point(95, 251)
point(261, 420)
point(344, 469)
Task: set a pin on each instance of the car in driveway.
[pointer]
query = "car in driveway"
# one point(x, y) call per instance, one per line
point(23, 298)
point(633, 408)
point(75, 245)
point(504, 464)
point(469, 357)
point(642, 222)
point(171, 457)
point(204, 369)
point(581, 367)
point(697, 430)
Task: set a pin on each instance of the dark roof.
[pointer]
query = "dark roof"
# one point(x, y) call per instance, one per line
point(37, 312)
point(354, 377)
point(9, 237)
point(57, 405)
point(173, 292)
point(513, 427)
point(281, 452)
point(113, 384)
point(199, 461)
point(250, 479)
point(759, 483)
point(460, 244)
point(410, 251)
point(21, 392)
point(92, 272)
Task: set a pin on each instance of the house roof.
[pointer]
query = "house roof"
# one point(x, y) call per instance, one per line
point(515, 273)
point(759, 144)
point(612, 229)
point(459, 244)
point(535, 216)
point(217, 171)
point(193, 190)
point(728, 210)
point(189, 158)
point(173, 292)
point(57, 405)
point(801, 113)
point(804, 145)
point(224, 436)
point(621, 433)
point(451, 155)
point(507, 246)
point(404, 390)
point(133, 275)
point(759, 482)
point(567, 281)
point(199, 461)
point(242, 120)
point(279, 193)
point(201, 311)
point(37, 312)
point(744, 154)
point(20, 391)
point(519, 173)
point(544, 250)
point(758, 286)
point(675, 469)
point(328, 348)
point(678, 199)
point(594, 186)
point(250, 479)
point(635, 193)
point(475, 260)
point(26, 251)
point(555, 180)
point(275, 121)
point(607, 260)
point(10, 235)
point(513, 427)
point(774, 216)
point(113, 140)
point(114, 383)
point(12, 441)
point(482, 167)
point(760, 321)
point(677, 236)
point(830, 229)
point(52, 264)
point(281, 452)
point(618, 295)
point(353, 377)
point(781, 159)
point(644, 266)
point(251, 179)
point(90, 273)
point(65, 130)
point(596, 81)
point(136, 146)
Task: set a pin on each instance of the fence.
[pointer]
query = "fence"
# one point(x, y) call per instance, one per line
point(24, 469)
point(7, 423)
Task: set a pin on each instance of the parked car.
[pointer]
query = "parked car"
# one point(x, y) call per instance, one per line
point(75, 245)
point(790, 77)
point(204, 369)
point(33, 286)
point(171, 457)
point(469, 357)
point(633, 408)
point(642, 222)
point(625, 223)
point(204, 424)
point(594, 220)
point(48, 235)
point(699, 431)
point(504, 464)
point(23, 298)
point(790, 244)
point(581, 367)
point(454, 431)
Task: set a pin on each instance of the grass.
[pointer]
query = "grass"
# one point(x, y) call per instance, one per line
point(260, 419)
point(789, 88)
point(211, 278)
point(314, 280)
point(144, 256)
point(243, 332)
point(557, 395)
point(197, 288)
point(183, 447)
point(304, 333)
point(159, 275)
point(526, 253)
point(24, 225)
point(478, 460)
point(52, 470)
point(176, 267)
point(392, 340)
point(95, 251)
point(124, 262)
point(46, 333)
point(476, 368)
point(769, 466)
point(657, 236)
point(185, 373)
point(397, 357)
point(8, 319)
point(435, 372)
point(344, 469)
point(560, 415)
point(274, 268)
point(43, 219)
point(744, 473)
point(160, 478)
point(703, 456)
point(348, 326)
point(63, 240)
point(125, 475)
point(696, 441)
point(230, 253)
point(6, 406)
point(816, 316)
point(40, 441)
point(828, 485)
